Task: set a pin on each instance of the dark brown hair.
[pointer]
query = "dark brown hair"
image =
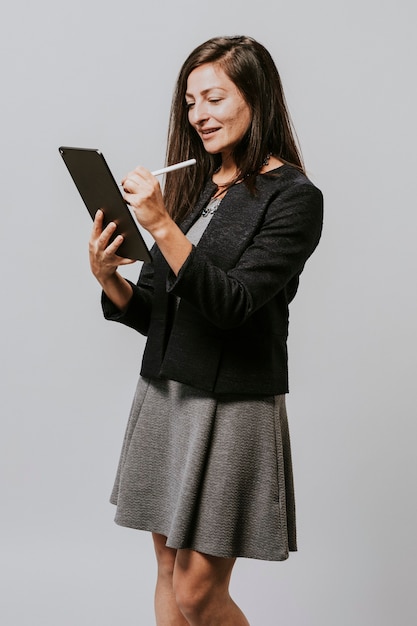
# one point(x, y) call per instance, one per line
point(251, 68)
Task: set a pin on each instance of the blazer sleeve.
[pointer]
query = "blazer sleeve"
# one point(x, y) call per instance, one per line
point(289, 233)
point(138, 312)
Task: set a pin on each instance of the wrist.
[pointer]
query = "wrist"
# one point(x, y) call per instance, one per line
point(117, 289)
point(173, 244)
point(108, 280)
point(163, 229)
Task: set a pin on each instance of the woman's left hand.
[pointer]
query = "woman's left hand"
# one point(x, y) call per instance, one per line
point(143, 193)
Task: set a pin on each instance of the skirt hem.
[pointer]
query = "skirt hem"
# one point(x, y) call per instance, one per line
point(283, 556)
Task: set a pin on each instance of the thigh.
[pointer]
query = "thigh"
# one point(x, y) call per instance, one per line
point(202, 571)
point(165, 556)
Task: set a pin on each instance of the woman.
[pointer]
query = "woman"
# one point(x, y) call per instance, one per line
point(206, 462)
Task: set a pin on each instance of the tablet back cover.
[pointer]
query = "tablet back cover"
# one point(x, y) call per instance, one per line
point(99, 190)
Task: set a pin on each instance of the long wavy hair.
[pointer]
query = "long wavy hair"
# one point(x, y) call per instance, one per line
point(251, 68)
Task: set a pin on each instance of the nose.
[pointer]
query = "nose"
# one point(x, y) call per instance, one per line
point(198, 114)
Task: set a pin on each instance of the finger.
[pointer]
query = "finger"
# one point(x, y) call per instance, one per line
point(127, 197)
point(114, 246)
point(133, 184)
point(125, 261)
point(98, 223)
point(129, 186)
point(142, 172)
point(138, 175)
point(111, 250)
point(146, 176)
point(106, 235)
point(134, 175)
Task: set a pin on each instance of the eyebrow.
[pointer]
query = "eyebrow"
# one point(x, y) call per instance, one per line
point(205, 91)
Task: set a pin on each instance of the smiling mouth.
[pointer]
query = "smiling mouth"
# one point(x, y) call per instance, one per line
point(208, 132)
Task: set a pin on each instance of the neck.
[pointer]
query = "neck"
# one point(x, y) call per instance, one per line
point(223, 179)
point(226, 173)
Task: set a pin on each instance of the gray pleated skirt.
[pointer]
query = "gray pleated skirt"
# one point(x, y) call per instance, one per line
point(212, 475)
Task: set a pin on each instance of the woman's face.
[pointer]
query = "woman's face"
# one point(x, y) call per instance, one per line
point(216, 109)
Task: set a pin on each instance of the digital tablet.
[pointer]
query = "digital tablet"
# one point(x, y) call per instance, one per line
point(99, 190)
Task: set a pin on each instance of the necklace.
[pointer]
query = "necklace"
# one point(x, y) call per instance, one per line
point(214, 202)
point(265, 162)
point(212, 207)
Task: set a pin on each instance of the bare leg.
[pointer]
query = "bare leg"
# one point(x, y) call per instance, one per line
point(201, 587)
point(167, 612)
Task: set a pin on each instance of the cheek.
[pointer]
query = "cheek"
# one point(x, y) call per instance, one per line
point(242, 123)
point(243, 118)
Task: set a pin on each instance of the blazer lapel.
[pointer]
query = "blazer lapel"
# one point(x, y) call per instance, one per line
point(204, 198)
point(234, 224)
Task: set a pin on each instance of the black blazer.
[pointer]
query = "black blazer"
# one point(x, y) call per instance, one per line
point(229, 333)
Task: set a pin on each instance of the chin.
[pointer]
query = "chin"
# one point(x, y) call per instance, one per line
point(212, 152)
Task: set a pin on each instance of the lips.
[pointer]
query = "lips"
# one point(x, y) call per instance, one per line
point(208, 131)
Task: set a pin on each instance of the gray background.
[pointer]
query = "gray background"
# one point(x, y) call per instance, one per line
point(99, 74)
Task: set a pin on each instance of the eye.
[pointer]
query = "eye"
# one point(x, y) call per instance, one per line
point(189, 104)
point(215, 100)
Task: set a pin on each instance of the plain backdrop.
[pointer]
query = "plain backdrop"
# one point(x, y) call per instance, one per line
point(101, 74)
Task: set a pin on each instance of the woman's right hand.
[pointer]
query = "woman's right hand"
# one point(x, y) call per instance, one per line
point(104, 259)
point(104, 262)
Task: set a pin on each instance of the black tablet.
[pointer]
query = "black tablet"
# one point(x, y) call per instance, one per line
point(99, 190)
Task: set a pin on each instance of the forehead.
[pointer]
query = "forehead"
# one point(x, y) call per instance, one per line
point(208, 77)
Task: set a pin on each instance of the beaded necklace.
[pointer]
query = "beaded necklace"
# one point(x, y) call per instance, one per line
point(214, 202)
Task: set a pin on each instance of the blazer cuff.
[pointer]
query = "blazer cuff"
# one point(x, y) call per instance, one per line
point(172, 280)
point(110, 310)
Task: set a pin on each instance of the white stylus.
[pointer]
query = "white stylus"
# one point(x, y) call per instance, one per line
point(176, 166)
